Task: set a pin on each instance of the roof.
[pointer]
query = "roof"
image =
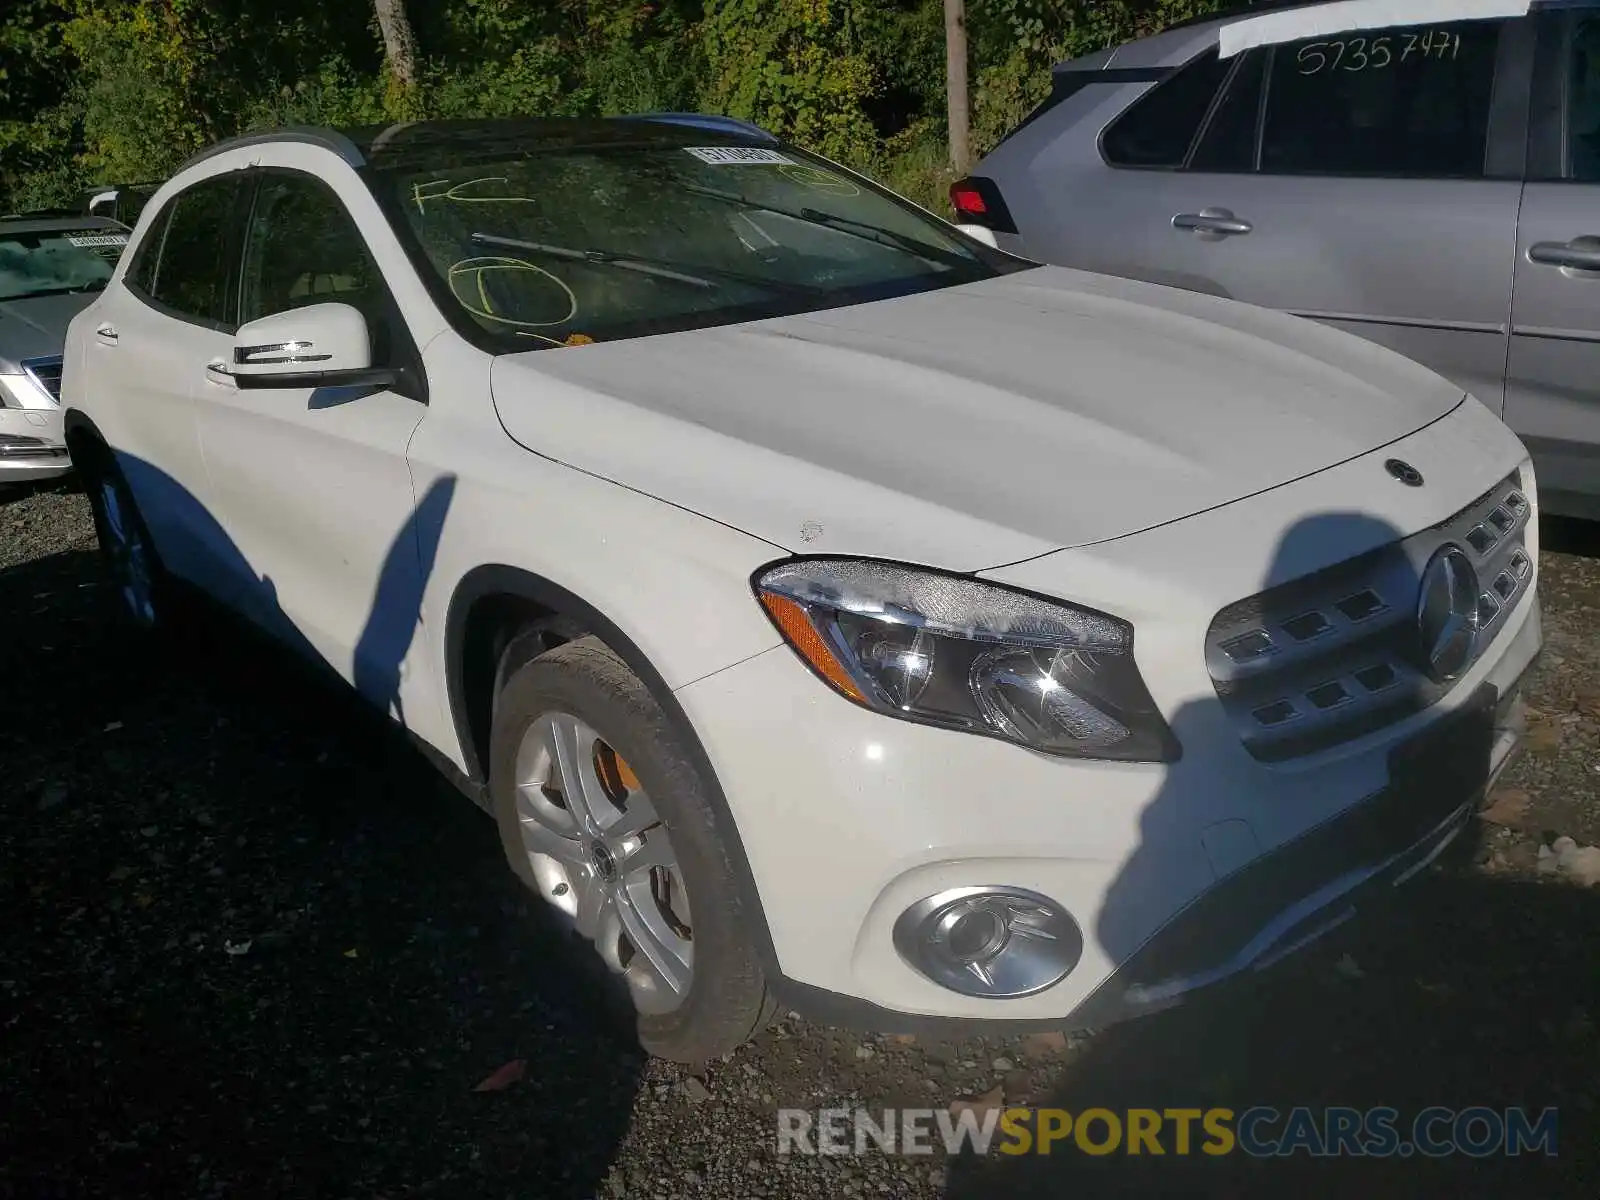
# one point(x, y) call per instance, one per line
point(431, 143)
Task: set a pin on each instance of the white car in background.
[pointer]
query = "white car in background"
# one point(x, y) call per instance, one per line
point(832, 610)
point(51, 264)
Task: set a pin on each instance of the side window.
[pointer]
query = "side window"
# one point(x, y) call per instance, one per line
point(142, 270)
point(301, 248)
point(1228, 142)
point(1410, 100)
point(1583, 102)
point(191, 276)
point(1157, 130)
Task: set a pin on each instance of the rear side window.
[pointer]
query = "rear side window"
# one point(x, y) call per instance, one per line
point(191, 276)
point(1408, 100)
point(1157, 130)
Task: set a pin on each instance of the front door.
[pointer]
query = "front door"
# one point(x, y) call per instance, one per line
point(314, 483)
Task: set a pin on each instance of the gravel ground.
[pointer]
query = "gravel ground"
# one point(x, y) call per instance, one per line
point(251, 948)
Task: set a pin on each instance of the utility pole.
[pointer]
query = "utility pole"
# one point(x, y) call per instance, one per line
point(955, 73)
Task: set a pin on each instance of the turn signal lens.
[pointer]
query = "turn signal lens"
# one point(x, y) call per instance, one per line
point(800, 633)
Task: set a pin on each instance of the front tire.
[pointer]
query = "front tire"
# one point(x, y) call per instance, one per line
point(603, 815)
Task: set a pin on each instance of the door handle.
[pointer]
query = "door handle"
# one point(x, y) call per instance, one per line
point(1580, 254)
point(107, 334)
point(1212, 223)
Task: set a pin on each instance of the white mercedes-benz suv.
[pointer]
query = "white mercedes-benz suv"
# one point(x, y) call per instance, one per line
point(831, 610)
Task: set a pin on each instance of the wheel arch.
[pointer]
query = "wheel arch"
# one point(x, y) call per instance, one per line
point(491, 603)
point(79, 430)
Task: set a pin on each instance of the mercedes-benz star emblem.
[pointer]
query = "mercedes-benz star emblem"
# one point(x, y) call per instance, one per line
point(1447, 614)
point(1404, 472)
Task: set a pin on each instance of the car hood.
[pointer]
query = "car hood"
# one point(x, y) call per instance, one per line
point(37, 327)
point(971, 426)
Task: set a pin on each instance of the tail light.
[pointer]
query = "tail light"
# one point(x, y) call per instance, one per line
point(977, 201)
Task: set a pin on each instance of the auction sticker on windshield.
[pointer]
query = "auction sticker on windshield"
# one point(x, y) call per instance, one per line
point(739, 156)
point(97, 239)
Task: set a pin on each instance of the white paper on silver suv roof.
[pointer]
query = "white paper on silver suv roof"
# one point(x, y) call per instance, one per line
point(1293, 24)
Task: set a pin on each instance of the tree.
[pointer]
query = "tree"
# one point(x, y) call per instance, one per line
point(955, 73)
point(399, 52)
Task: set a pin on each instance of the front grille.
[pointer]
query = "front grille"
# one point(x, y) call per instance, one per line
point(46, 372)
point(1334, 655)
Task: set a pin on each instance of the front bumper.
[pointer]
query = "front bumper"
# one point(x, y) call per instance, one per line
point(1286, 900)
point(31, 445)
point(1178, 876)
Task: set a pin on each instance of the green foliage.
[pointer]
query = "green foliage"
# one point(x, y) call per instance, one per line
point(794, 67)
point(331, 93)
point(141, 102)
point(116, 90)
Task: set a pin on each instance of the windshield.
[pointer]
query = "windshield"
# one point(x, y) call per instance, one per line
point(54, 261)
point(574, 244)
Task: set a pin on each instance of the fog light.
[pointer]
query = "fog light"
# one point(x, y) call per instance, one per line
point(993, 942)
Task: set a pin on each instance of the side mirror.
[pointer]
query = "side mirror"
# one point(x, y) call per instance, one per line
point(320, 345)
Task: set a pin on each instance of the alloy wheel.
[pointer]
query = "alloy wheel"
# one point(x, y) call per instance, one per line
point(602, 857)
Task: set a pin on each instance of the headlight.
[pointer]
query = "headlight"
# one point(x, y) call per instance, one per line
point(20, 391)
point(951, 651)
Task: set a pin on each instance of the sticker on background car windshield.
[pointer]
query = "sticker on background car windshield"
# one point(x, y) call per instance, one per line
point(739, 156)
point(97, 239)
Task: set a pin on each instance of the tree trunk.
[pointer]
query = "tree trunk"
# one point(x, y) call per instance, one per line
point(399, 43)
point(955, 73)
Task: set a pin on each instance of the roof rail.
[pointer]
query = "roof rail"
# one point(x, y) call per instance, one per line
point(330, 139)
point(712, 121)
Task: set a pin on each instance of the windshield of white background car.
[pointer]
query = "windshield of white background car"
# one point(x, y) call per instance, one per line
point(573, 244)
point(56, 261)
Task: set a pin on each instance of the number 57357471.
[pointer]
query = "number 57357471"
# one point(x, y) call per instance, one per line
point(1376, 53)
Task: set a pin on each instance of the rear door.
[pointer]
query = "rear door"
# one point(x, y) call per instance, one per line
point(153, 333)
point(1368, 179)
point(1553, 373)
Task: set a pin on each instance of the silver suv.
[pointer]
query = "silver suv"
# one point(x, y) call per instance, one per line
point(51, 267)
point(1434, 187)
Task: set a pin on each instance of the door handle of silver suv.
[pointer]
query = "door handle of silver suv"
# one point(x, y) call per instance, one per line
point(1580, 254)
point(1217, 222)
point(107, 334)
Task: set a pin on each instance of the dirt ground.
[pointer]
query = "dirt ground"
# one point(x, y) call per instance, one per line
point(252, 948)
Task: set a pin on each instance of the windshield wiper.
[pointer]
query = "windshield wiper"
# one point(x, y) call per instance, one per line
point(846, 225)
point(659, 268)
